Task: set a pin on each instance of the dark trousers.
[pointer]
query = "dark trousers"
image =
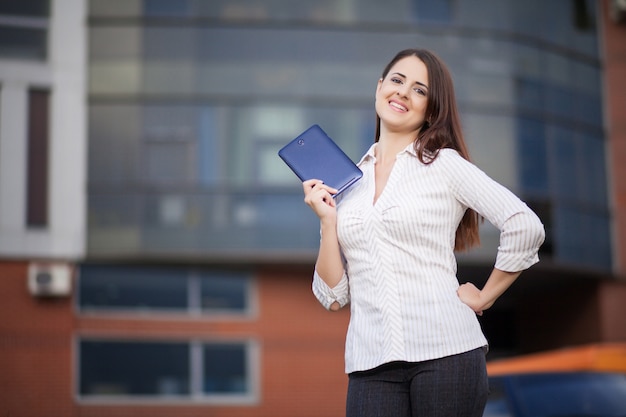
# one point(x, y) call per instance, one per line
point(453, 386)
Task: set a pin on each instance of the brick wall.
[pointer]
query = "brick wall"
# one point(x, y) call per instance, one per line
point(301, 351)
point(300, 345)
point(35, 346)
point(614, 41)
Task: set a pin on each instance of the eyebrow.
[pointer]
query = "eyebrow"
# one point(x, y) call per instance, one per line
point(404, 76)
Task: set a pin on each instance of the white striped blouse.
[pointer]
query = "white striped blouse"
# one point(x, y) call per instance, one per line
point(400, 269)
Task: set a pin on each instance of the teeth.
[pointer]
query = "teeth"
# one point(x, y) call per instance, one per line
point(398, 106)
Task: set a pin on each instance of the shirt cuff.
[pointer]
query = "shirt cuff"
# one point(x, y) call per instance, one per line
point(326, 295)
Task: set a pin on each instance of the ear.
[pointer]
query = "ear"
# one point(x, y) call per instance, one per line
point(379, 84)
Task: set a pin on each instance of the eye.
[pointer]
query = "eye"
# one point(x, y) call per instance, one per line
point(420, 91)
point(395, 80)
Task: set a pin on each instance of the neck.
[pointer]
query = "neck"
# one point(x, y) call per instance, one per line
point(391, 144)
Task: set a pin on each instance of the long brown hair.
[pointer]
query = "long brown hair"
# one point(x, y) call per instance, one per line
point(442, 129)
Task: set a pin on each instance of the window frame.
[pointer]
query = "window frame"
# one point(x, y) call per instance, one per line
point(194, 308)
point(196, 366)
point(33, 23)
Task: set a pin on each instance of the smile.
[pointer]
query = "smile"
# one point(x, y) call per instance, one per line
point(398, 106)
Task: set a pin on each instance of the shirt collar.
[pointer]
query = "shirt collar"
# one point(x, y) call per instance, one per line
point(371, 152)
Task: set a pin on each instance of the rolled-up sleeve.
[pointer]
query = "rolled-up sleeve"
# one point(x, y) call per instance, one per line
point(326, 295)
point(521, 230)
point(520, 238)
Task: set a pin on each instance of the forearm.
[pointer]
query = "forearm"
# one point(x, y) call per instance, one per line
point(497, 283)
point(329, 265)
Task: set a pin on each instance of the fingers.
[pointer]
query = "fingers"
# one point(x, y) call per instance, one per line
point(470, 295)
point(313, 184)
point(316, 190)
point(319, 197)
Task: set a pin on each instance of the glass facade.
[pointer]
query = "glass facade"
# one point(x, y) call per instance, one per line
point(190, 101)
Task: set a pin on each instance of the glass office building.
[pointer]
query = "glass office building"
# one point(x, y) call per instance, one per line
point(155, 252)
point(190, 100)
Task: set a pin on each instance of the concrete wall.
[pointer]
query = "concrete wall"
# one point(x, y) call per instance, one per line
point(64, 74)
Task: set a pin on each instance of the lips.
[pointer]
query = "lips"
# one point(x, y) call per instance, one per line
point(398, 106)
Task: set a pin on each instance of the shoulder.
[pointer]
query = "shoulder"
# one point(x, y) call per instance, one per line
point(448, 158)
point(449, 154)
point(456, 169)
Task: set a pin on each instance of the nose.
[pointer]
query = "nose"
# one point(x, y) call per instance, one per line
point(402, 90)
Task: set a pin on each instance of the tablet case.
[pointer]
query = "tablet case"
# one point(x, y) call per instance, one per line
point(314, 155)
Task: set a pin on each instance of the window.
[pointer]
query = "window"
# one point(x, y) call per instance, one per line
point(111, 370)
point(433, 11)
point(24, 29)
point(224, 368)
point(189, 104)
point(533, 156)
point(164, 289)
point(169, 144)
point(133, 368)
point(166, 7)
point(224, 291)
point(38, 154)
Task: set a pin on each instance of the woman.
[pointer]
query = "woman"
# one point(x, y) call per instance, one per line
point(414, 345)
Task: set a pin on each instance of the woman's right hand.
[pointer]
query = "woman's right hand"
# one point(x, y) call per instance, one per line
point(319, 197)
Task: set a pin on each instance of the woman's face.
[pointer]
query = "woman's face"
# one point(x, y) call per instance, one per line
point(402, 96)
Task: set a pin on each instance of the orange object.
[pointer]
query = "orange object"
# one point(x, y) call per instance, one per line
point(609, 357)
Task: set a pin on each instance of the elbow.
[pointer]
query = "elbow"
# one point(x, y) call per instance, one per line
point(528, 228)
point(537, 231)
point(335, 306)
point(520, 242)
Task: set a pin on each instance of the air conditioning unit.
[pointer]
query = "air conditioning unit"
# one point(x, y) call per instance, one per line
point(49, 279)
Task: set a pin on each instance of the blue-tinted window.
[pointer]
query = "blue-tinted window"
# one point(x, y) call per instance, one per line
point(433, 10)
point(23, 43)
point(530, 93)
point(142, 288)
point(196, 177)
point(533, 156)
point(564, 162)
point(568, 24)
point(24, 29)
point(225, 368)
point(130, 287)
point(224, 291)
point(582, 236)
point(133, 368)
point(149, 370)
point(30, 8)
point(166, 7)
point(190, 103)
point(593, 178)
point(560, 99)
